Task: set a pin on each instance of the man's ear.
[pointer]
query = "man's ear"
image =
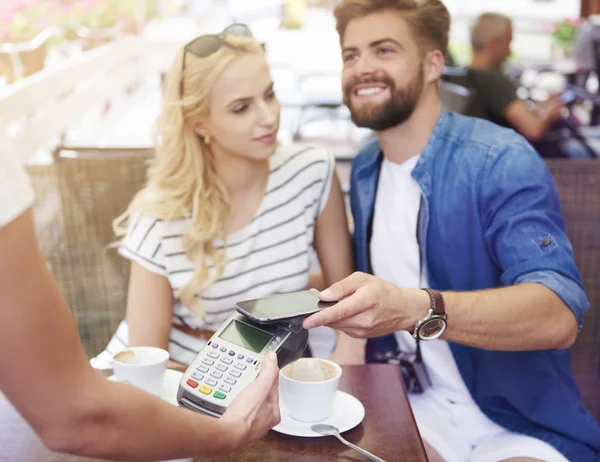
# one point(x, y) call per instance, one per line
point(434, 65)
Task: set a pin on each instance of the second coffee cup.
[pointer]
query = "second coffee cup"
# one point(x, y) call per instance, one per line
point(308, 387)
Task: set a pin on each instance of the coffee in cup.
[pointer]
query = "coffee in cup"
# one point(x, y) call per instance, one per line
point(143, 367)
point(314, 370)
point(307, 388)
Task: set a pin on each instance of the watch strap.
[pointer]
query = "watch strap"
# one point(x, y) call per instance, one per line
point(436, 302)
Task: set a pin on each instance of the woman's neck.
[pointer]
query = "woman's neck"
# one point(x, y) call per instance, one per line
point(246, 183)
point(242, 176)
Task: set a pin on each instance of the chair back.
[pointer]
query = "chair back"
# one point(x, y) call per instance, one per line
point(22, 59)
point(578, 184)
point(459, 77)
point(77, 199)
point(454, 97)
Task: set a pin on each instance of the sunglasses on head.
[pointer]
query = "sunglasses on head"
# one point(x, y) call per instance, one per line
point(206, 45)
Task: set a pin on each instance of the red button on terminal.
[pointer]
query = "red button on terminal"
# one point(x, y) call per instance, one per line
point(192, 383)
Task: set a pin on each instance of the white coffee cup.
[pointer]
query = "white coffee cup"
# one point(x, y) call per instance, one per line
point(307, 388)
point(143, 367)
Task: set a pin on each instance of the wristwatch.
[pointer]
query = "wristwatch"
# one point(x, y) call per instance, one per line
point(434, 324)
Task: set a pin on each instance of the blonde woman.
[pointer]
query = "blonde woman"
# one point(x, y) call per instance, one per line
point(227, 214)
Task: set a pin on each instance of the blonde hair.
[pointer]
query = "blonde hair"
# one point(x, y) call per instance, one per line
point(183, 182)
point(488, 26)
point(428, 19)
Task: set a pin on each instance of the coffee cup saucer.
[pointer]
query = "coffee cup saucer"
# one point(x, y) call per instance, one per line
point(170, 385)
point(348, 412)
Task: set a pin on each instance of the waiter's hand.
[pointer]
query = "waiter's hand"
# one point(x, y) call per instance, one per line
point(369, 307)
point(256, 409)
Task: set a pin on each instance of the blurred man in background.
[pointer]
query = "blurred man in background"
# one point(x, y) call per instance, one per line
point(491, 37)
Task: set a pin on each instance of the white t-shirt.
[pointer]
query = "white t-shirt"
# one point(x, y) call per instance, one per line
point(16, 193)
point(395, 258)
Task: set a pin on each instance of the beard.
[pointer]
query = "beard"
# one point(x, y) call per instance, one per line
point(388, 114)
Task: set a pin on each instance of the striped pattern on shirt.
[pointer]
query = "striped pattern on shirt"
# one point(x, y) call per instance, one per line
point(271, 255)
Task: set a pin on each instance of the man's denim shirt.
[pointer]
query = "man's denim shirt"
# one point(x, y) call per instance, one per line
point(490, 217)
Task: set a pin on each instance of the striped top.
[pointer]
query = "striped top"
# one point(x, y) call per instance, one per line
point(270, 255)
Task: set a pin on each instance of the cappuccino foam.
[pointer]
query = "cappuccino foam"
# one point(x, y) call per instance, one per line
point(310, 370)
point(134, 357)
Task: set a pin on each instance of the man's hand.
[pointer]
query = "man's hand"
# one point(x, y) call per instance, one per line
point(369, 307)
point(256, 409)
point(551, 109)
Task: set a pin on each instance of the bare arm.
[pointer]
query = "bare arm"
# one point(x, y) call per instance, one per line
point(333, 246)
point(37, 333)
point(149, 308)
point(521, 317)
point(332, 238)
point(530, 124)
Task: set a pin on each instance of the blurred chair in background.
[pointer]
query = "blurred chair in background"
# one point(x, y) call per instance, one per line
point(18, 60)
point(77, 199)
point(456, 98)
point(578, 185)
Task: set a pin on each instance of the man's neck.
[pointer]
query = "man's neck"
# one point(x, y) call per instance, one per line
point(481, 61)
point(409, 139)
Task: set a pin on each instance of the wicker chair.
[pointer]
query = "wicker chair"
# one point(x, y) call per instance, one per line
point(22, 59)
point(578, 183)
point(78, 197)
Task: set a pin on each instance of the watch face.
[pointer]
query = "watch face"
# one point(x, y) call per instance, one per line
point(432, 329)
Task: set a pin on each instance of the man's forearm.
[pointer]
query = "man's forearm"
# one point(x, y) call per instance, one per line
point(520, 317)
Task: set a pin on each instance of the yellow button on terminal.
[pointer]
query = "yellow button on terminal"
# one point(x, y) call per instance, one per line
point(206, 390)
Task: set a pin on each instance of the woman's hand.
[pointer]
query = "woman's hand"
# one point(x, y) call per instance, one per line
point(348, 350)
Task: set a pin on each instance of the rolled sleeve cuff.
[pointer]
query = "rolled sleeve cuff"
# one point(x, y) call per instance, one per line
point(571, 293)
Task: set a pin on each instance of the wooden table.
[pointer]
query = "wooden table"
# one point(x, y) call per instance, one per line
point(388, 429)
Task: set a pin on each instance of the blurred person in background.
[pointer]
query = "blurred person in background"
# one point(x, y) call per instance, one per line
point(46, 376)
point(491, 37)
point(497, 100)
point(228, 214)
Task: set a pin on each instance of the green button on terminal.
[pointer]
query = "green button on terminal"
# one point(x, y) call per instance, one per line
point(219, 395)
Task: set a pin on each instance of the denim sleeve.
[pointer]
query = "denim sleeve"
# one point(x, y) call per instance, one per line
point(524, 226)
point(571, 293)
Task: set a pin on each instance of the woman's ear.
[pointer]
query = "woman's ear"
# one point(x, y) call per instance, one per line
point(201, 129)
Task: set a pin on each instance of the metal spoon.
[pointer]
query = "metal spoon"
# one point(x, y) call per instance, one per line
point(330, 430)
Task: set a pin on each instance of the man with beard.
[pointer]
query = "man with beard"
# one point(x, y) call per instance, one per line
point(462, 254)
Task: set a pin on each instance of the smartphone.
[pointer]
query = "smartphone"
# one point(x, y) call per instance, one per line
point(284, 306)
point(568, 97)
